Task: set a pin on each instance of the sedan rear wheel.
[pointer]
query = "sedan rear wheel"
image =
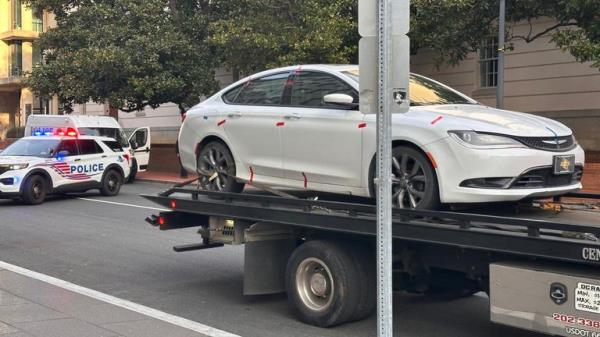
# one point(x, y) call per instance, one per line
point(216, 168)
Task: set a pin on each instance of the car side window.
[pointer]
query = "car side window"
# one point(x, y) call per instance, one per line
point(70, 146)
point(266, 90)
point(309, 87)
point(89, 146)
point(113, 145)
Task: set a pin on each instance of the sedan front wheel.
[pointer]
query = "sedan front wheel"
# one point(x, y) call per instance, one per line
point(414, 183)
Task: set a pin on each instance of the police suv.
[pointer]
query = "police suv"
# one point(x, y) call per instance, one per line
point(59, 162)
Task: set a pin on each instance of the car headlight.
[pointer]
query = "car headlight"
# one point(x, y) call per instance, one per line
point(12, 167)
point(483, 140)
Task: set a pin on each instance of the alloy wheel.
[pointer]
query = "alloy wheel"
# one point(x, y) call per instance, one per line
point(213, 168)
point(409, 181)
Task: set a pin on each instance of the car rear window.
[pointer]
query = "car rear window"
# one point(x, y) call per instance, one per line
point(113, 145)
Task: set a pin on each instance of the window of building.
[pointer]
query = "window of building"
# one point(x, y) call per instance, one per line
point(36, 54)
point(16, 14)
point(37, 21)
point(488, 63)
point(16, 58)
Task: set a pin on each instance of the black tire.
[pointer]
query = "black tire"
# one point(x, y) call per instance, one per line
point(133, 172)
point(365, 261)
point(111, 183)
point(35, 190)
point(323, 283)
point(421, 185)
point(216, 160)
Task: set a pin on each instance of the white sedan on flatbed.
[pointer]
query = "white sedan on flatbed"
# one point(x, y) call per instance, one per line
point(300, 127)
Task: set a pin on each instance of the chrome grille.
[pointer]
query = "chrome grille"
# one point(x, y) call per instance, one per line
point(558, 144)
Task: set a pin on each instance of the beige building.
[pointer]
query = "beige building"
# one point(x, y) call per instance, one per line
point(20, 26)
point(539, 79)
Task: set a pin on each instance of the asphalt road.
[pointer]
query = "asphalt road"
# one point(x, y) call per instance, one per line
point(110, 248)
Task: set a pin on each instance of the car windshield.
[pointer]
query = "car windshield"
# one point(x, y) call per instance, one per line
point(424, 91)
point(43, 148)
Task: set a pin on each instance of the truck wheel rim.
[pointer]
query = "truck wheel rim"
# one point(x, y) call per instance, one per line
point(314, 284)
point(409, 182)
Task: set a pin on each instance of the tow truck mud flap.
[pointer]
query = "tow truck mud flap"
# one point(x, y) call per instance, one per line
point(550, 299)
point(267, 250)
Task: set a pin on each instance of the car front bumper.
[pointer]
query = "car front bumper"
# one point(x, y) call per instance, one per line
point(457, 164)
point(10, 184)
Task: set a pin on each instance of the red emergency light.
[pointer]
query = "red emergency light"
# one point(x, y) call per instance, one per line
point(71, 132)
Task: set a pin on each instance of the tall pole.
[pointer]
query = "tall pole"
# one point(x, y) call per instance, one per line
point(501, 31)
point(384, 170)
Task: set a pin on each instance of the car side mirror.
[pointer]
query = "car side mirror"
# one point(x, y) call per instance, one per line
point(342, 100)
point(134, 144)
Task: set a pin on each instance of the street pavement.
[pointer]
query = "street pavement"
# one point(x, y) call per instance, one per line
point(104, 244)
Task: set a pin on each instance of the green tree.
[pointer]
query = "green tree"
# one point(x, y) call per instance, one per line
point(453, 28)
point(252, 35)
point(131, 53)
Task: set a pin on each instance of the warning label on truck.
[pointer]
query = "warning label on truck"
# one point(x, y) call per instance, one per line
point(587, 297)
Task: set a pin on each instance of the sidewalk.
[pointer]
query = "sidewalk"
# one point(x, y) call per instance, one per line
point(31, 307)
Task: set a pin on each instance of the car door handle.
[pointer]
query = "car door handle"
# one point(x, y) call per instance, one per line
point(234, 114)
point(105, 156)
point(78, 159)
point(293, 116)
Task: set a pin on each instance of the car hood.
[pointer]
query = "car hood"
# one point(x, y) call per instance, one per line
point(19, 160)
point(485, 119)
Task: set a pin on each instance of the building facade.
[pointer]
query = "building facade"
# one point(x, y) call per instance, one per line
point(539, 78)
point(20, 26)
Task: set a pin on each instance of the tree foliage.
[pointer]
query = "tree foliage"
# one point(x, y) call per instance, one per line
point(137, 53)
point(252, 35)
point(131, 53)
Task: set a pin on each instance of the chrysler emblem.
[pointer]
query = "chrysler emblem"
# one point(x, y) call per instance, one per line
point(558, 293)
point(556, 141)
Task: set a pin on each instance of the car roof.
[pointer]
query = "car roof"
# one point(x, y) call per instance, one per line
point(101, 138)
point(83, 121)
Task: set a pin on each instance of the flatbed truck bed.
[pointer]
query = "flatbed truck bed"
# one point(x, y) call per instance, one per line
point(321, 253)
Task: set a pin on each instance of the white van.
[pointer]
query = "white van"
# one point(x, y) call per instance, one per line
point(137, 144)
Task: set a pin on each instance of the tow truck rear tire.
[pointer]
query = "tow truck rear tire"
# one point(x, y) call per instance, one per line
point(323, 283)
point(111, 183)
point(35, 190)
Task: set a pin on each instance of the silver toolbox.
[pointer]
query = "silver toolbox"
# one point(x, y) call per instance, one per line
point(550, 299)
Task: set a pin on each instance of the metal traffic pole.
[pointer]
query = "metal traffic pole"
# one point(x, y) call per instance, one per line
point(501, 32)
point(384, 61)
point(384, 171)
